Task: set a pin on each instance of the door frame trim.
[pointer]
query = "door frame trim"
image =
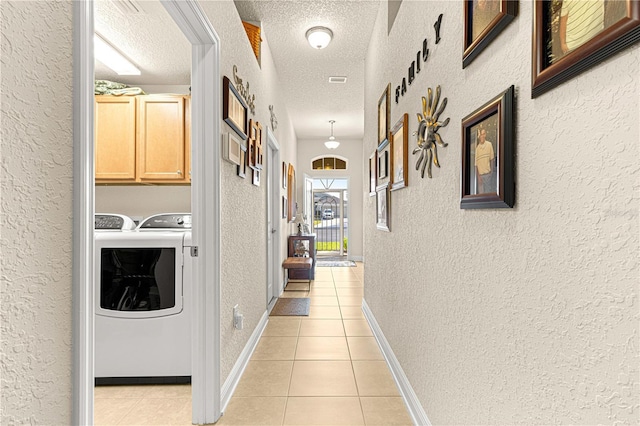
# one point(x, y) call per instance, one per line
point(274, 170)
point(83, 213)
point(205, 69)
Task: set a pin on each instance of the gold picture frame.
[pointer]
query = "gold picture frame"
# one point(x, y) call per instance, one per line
point(384, 115)
point(399, 153)
point(291, 193)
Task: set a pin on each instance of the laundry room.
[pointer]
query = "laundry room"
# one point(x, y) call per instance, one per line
point(143, 271)
point(142, 114)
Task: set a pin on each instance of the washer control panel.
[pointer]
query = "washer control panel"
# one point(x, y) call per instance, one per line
point(114, 222)
point(167, 221)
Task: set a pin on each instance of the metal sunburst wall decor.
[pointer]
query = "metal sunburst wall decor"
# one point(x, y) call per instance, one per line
point(427, 135)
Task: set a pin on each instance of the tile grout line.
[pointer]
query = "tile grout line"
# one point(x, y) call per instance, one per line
point(293, 364)
point(364, 422)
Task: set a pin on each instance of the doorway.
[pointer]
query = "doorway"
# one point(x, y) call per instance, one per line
point(192, 21)
point(273, 220)
point(331, 218)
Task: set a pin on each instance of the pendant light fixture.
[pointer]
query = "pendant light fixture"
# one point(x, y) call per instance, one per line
point(319, 37)
point(332, 143)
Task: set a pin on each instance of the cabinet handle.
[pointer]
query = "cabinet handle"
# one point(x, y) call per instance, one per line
point(179, 172)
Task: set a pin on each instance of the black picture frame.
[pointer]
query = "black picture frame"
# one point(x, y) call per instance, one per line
point(555, 62)
point(383, 164)
point(234, 109)
point(496, 115)
point(482, 26)
point(284, 175)
point(373, 173)
point(399, 141)
point(384, 115)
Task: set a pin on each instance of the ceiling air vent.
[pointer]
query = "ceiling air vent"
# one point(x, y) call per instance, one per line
point(128, 7)
point(337, 79)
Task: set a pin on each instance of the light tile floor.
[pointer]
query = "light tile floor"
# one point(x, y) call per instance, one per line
point(324, 369)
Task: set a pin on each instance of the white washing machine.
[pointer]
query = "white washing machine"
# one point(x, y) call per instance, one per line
point(143, 302)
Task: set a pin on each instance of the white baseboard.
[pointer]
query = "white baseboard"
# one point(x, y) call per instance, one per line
point(231, 383)
point(357, 258)
point(418, 415)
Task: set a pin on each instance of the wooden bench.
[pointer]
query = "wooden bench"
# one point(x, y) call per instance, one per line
point(297, 263)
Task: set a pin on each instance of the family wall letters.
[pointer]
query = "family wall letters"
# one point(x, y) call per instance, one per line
point(415, 67)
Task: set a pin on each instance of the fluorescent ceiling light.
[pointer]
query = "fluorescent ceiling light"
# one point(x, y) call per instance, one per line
point(109, 56)
point(319, 37)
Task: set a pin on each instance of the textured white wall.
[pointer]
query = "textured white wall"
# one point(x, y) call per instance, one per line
point(244, 260)
point(524, 315)
point(143, 200)
point(351, 150)
point(35, 212)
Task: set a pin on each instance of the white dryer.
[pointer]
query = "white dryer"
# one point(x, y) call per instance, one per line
point(112, 222)
point(143, 302)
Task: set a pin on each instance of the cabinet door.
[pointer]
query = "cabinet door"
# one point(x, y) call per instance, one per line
point(161, 139)
point(187, 137)
point(115, 138)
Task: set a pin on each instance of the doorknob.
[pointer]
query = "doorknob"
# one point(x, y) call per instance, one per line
point(273, 231)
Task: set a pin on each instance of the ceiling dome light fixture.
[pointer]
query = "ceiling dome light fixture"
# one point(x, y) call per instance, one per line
point(332, 143)
point(319, 37)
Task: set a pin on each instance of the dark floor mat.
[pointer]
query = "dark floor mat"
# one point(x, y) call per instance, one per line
point(293, 306)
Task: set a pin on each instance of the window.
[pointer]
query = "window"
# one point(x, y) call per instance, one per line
point(329, 163)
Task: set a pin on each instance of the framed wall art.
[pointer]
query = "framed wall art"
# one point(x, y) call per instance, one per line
point(483, 21)
point(284, 175)
point(571, 36)
point(242, 167)
point(291, 193)
point(384, 159)
point(284, 207)
point(373, 173)
point(231, 148)
point(257, 142)
point(384, 111)
point(234, 110)
point(399, 155)
point(382, 208)
point(487, 154)
point(256, 176)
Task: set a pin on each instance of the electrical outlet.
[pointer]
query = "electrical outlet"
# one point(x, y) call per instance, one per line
point(238, 318)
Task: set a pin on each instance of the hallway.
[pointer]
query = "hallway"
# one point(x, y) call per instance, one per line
point(324, 369)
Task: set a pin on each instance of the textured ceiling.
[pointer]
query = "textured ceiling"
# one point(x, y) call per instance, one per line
point(151, 40)
point(163, 54)
point(304, 72)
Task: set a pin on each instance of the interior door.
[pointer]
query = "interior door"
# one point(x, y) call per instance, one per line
point(273, 219)
point(270, 221)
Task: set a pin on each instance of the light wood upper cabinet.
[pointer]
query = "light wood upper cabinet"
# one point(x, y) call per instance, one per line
point(161, 138)
point(115, 138)
point(143, 139)
point(187, 136)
